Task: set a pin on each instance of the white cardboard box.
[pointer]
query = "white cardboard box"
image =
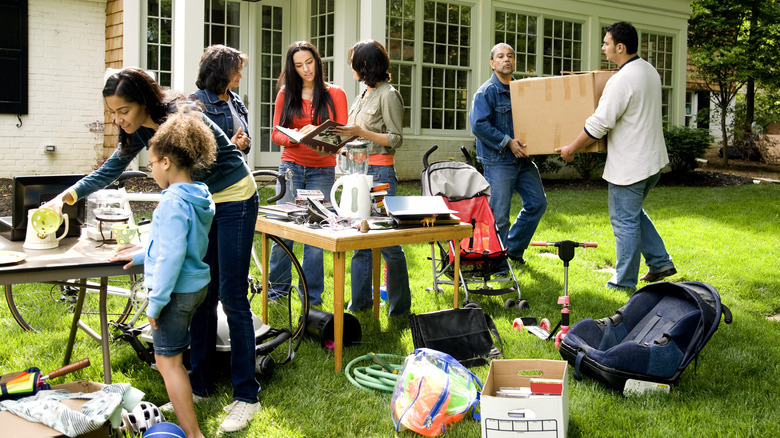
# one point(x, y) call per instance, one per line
point(550, 112)
point(537, 416)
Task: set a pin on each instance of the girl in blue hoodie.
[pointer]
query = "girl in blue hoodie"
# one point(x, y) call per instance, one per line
point(175, 275)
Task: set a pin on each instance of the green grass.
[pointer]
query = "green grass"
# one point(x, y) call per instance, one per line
point(727, 237)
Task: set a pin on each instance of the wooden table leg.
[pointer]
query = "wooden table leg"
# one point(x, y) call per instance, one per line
point(339, 269)
point(104, 335)
point(456, 274)
point(376, 262)
point(264, 260)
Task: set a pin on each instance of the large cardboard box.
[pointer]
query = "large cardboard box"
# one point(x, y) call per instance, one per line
point(550, 112)
point(534, 416)
point(14, 426)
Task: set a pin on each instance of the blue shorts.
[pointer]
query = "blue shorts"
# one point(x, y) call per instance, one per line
point(172, 335)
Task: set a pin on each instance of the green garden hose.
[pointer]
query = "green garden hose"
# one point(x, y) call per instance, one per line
point(381, 375)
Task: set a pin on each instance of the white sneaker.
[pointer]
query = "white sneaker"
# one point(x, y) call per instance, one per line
point(239, 416)
point(168, 407)
point(229, 407)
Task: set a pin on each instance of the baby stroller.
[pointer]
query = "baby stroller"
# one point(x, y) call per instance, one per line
point(483, 259)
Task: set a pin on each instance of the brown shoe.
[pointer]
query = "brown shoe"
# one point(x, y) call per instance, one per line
point(652, 277)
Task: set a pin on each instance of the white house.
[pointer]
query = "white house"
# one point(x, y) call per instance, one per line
point(439, 53)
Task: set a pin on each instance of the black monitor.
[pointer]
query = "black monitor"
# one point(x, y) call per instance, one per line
point(35, 190)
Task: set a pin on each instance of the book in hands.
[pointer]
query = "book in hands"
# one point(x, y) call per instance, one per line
point(322, 136)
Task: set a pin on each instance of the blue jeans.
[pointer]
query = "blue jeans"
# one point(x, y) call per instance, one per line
point(635, 233)
point(399, 296)
point(230, 246)
point(504, 180)
point(309, 178)
point(172, 335)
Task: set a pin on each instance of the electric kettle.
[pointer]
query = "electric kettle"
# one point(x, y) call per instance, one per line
point(355, 199)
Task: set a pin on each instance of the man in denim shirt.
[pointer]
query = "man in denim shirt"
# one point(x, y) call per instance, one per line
point(506, 164)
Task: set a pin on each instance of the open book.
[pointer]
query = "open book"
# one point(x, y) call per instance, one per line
point(322, 136)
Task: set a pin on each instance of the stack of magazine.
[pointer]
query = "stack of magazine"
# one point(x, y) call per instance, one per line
point(282, 211)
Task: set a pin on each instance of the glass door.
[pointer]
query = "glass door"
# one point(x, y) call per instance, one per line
point(271, 41)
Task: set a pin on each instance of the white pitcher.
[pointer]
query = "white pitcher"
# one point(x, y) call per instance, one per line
point(42, 225)
point(355, 199)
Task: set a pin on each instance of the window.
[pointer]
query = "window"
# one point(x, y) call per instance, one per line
point(519, 31)
point(221, 23)
point(446, 66)
point(272, 55)
point(159, 23)
point(13, 58)
point(438, 69)
point(562, 47)
point(400, 48)
point(322, 31)
point(561, 43)
point(658, 50)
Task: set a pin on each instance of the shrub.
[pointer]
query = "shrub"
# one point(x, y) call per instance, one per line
point(685, 145)
point(588, 163)
point(547, 163)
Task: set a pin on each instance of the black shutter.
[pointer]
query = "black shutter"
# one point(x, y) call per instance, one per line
point(13, 56)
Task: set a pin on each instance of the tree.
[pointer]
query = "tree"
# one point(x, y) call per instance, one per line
point(763, 41)
point(718, 50)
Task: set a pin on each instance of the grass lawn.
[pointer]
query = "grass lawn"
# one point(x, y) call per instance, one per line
point(728, 237)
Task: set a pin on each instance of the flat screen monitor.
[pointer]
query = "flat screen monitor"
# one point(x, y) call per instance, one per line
point(35, 190)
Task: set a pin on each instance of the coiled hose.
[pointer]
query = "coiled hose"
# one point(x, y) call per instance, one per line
point(381, 375)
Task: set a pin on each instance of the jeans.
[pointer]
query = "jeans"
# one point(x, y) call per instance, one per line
point(635, 233)
point(172, 335)
point(524, 179)
point(309, 178)
point(230, 245)
point(399, 296)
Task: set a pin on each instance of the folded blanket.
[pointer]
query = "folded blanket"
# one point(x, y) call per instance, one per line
point(103, 405)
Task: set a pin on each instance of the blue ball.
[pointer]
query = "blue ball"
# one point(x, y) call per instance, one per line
point(164, 430)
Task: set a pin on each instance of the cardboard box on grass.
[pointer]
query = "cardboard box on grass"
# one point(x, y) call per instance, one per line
point(14, 426)
point(550, 112)
point(537, 416)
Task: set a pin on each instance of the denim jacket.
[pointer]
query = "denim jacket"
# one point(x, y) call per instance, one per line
point(219, 112)
point(229, 168)
point(491, 123)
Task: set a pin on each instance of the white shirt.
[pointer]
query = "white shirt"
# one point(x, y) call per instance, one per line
point(630, 110)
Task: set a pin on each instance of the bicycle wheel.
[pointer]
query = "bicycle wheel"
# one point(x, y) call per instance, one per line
point(44, 307)
point(290, 306)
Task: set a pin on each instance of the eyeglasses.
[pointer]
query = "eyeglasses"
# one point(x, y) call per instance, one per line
point(149, 166)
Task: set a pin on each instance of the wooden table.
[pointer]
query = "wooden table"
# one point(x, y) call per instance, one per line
point(75, 258)
point(339, 242)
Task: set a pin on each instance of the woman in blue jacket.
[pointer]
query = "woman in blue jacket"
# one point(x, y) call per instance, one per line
point(219, 71)
point(139, 106)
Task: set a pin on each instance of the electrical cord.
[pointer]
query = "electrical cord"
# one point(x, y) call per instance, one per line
point(381, 375)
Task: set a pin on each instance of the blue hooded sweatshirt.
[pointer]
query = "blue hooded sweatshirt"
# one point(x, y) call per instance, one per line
point(173, 259)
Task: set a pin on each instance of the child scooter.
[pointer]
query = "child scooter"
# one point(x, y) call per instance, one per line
point(542, 330)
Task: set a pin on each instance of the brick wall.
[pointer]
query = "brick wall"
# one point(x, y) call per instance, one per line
point(114, 59)
point(66, 64)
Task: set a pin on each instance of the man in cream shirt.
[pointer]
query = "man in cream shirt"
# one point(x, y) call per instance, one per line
point(630, 111)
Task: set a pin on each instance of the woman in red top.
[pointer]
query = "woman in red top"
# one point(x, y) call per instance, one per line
point(304, 102)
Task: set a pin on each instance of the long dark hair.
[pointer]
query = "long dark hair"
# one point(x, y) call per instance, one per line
point(217, 66)
point(369, 59)
point(135, 85)
point(322, 105)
